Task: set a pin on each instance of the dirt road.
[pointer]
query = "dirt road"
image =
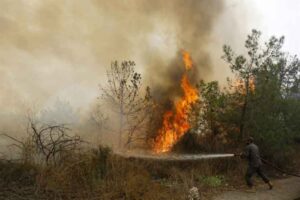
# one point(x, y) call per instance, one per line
point(285, 189)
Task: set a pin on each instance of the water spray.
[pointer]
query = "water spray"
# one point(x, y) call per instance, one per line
point(192, 157)
point(173, 156)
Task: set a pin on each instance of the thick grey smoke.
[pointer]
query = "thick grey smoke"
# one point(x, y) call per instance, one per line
point(190, 24)
point(54, 50)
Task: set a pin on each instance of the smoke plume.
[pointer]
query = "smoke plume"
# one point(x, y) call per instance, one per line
point(55, 48)
point(59, 50)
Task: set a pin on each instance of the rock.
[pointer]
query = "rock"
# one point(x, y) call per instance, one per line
point(194, 194)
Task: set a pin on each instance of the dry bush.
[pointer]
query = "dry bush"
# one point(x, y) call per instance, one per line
point(52, 142)
point(15, 173)
point(132, 178)
point(99, 174)
point(72, 175)
point(45, 144)
point(127, 179)
point(78, 175)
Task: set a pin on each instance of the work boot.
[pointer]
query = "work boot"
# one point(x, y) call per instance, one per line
point(270, 185)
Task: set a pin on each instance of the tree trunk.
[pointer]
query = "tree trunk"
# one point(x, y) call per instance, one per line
point(244, 110)
point(121, 115)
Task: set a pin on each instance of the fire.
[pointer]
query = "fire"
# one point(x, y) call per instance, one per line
point(240, 85)
point(176, 123)
point(187, 60)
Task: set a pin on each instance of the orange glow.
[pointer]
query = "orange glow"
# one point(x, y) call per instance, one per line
point(252, 84)
point(176, 123)
point(187, 60)
point(240, 86)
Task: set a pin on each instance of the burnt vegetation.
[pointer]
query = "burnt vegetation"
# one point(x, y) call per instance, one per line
point(261, 100)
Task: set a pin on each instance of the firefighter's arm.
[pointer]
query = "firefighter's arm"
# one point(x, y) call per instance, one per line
point(238, 154)
point(244, 154)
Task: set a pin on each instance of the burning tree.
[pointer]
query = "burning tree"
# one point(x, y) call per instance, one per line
point(268, 78)
point(176, 122)
point(244, 69)
point(260, 60)
point(123, 94)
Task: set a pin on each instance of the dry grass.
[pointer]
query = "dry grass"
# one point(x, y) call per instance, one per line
point(99, 174)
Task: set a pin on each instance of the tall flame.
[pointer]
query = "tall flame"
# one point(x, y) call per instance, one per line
point(176, 123)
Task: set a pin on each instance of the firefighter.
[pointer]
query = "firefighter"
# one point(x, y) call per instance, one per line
point(251, 153)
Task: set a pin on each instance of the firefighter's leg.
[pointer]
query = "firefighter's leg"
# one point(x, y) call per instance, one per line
point(264, 177)
point(248, 176)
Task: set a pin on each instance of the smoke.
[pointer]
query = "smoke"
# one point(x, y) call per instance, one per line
point(60, 49)
point(189, 25)
point(50, 46)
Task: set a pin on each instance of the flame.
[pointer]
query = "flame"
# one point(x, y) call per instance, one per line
point(176, 123)
point(240, 86)
point(187, 60)
point(252, 84)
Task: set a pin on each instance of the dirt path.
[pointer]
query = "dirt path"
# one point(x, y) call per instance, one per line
point(285, 189)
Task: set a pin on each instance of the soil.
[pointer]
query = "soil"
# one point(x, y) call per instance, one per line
point(284, 189)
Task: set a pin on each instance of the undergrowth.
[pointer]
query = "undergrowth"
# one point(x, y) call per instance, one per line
point(100, 174)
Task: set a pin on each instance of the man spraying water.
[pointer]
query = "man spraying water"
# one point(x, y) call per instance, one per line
point(252, 154)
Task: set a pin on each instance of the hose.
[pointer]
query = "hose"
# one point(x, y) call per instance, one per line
point(279, 169)
point(273, 166)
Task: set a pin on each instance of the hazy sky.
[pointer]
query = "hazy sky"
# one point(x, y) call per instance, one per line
point(281, 18)
point(40, 67)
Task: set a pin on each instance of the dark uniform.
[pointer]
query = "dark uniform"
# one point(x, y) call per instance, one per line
point(254, 164)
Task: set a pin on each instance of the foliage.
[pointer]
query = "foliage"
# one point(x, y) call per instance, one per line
point(213, 181)
point(262, 100)
point(211, 119)
point(268, 112)
point(265, 104)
